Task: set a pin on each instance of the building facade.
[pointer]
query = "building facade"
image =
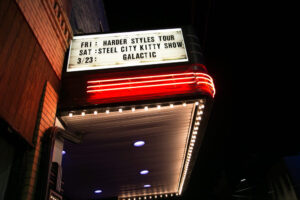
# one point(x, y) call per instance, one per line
point(34, 38)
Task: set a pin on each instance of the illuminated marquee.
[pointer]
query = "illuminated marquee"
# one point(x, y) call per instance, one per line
point(103, 51)
point(179, 93)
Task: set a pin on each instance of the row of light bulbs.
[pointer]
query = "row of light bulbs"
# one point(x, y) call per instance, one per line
point(198, 118)
point(151, 197)
point(53, 198)
point(120, 110)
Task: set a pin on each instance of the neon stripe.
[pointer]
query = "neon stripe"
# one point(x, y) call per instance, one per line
point(153, 81)
point(145, 86)
point(156, 76)
point(128, 83)
point(141, 77)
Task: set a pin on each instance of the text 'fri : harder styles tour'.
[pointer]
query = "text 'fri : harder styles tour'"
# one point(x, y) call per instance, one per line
point(136, 44)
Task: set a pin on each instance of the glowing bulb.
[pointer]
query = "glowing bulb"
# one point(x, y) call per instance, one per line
point(95, 112)
point(97, 191)
point(139, 143)
point(83, 113)
point(197, 103)
point(158, 106)
point(107, 111)
point(171, 105)
point(200, 112)
point(143, 172)
point(133, 109)
point(70, 114)
point(146, 108)
point(184, 104)
point(120, 110)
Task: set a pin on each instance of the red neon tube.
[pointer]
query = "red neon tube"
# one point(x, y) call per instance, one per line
point(152, 86)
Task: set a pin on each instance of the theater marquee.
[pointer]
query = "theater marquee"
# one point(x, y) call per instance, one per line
point(103, 51)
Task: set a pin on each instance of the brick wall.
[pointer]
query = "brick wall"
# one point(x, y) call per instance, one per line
point(24, 69)
point(32, 50)
point(50, 26)
point(47, 120)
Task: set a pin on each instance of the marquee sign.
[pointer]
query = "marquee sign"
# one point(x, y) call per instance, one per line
point(104, 51)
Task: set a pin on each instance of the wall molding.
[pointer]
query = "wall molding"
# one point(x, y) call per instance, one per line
point(59, 21)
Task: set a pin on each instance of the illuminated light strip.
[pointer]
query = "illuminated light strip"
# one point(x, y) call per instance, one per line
point(121, 109)
point(190, 148)
point(206, 83)
point(209, 84)
point(153, 81)
point(156, 76)
point(149, 196)
point(142, 77)
point(144, 86)
point(198, 73)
